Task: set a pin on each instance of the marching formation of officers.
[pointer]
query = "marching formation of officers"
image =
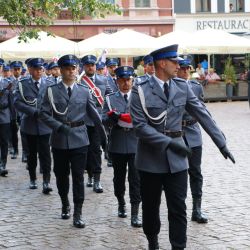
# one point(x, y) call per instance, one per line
point(147, 126)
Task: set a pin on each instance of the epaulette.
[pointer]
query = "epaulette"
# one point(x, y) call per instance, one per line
point(82, 85)
point(50, 80)
point(179, 80)
point(111, 93)
point(7, 79)
point(140, 80)
point(53, 85)
point(195, 82)
point(24, 79)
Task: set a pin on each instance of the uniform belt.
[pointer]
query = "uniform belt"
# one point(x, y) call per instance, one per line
point(123, 128)
point(173, 134)
point(74, 124)
point(186, 123)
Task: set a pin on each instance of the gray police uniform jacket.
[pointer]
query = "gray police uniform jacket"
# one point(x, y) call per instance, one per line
point(140, 79)
point(53, 79)
point(112, 83)
point(101, 82)
point(15, 82)
point(6, 102)
point(153, 154)
point(192, 133)
point(121, 141)
point(23, 103)
point(79, 104)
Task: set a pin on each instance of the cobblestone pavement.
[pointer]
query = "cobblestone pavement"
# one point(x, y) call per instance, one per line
point(31, 220)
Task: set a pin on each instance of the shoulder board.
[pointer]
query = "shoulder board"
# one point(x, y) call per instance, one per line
point(7, 79)
point(49, 80)
point(110, 94)
point(53, 85)
point(82, 85)
point(24, 79)
point(141, 80)
point(179, 80)
point(195, 82)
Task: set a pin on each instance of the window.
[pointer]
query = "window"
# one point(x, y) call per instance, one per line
point(203, 5)
point(236, 5)
point(142, 3)
point(108, 1)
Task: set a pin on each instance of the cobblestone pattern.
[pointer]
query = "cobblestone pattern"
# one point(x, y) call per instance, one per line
point(31, 220)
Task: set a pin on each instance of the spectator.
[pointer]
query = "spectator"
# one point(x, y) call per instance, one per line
point(204, 65)
point(200, 71)
point(212, 77)
point(231, 7)
point(248, 81)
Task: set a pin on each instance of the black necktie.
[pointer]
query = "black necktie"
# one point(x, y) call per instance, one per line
point(92, 79)
point(37, 84)
point(166, 89)
point(69, 92)
point(126, 98)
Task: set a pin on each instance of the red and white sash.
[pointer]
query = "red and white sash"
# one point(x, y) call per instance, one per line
point(94, 90)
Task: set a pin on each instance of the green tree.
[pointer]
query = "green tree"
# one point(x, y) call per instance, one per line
point(28, 17)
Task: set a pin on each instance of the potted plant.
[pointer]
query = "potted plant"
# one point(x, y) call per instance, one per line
point(230, 77)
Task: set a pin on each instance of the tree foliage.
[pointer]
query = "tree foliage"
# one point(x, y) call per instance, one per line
point(229, 72)
point(28, 17)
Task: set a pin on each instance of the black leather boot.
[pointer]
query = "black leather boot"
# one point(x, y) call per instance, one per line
point(197, 215)
point(135, 221)
point(90, 182)
point(24, 157)
point(33, 184)
point(122, 213)
point(14, 154)
point(153, 243)
point(97, 185)
point(3, 170)
point(77, 217)
point(65, 215)
point(109, 163)
point(46, 185)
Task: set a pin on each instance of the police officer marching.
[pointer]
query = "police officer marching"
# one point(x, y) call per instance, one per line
point(98, 87)
point(27, 100)
point(55, 72)
point(157, 107)
point(64, 108)
point(100, 68)
point(112, 64)
point(148, 69)
point(6, 114)
point(193, 139)
point(123, 143)
point(16, 68)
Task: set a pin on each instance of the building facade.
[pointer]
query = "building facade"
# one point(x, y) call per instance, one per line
point(232, 16)
point(152, 17)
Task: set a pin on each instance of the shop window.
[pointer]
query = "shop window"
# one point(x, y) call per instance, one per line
point(203, 5)
point(142, 3)
point(236, 5)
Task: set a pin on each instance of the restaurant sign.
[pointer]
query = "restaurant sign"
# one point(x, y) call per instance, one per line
point(227, 24)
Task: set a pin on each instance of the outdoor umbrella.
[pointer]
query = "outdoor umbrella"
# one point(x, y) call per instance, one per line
point(47, 47)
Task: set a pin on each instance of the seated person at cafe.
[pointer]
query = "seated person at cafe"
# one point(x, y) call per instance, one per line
point(212, 77)
point(200, 71)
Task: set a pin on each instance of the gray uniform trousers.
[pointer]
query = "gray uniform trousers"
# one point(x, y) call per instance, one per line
point(122, 147)
point(69, 150)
